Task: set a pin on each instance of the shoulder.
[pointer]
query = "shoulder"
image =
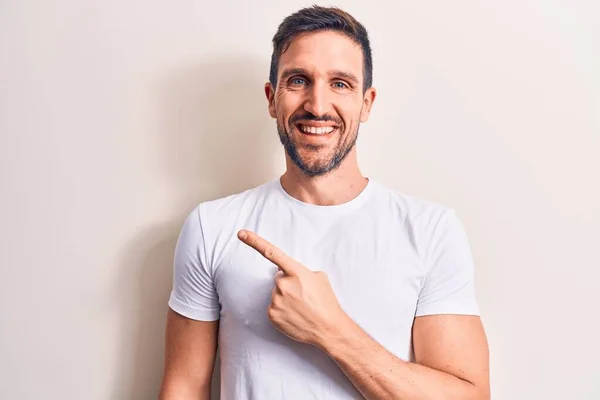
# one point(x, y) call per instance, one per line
point(236, 203)
point(226, 210)
point(424, 222)
point(412, 210)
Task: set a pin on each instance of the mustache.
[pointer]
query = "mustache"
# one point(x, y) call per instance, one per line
point(312, 117)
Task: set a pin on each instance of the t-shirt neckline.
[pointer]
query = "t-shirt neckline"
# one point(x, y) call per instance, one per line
point(335, 209)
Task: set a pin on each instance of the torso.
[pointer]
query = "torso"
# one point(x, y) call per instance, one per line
point(371, 253)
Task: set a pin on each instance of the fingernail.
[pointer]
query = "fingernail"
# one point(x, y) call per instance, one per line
point(242, 234)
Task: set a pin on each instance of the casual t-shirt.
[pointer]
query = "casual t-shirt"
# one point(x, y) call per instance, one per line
point(389, 257)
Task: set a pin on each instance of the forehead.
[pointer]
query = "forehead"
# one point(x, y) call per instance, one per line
point(323, 51)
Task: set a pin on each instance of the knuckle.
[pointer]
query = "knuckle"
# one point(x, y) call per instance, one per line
point(281, 287)
point(276, 289)
point(270, 253)
point(321, 274)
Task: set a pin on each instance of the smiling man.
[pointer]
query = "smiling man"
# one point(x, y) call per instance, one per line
point(322, 283)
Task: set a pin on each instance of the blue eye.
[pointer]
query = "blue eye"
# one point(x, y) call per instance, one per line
point(340, 85)
point(297, 81)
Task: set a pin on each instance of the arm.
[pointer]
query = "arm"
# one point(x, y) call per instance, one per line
point(189, 358)
point(449, 342)
point(192, 321)
point(451, 355)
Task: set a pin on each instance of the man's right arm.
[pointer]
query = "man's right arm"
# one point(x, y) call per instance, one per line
point(190, 349)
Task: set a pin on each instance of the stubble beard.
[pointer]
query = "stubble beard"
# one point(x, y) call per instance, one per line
point(325, 164)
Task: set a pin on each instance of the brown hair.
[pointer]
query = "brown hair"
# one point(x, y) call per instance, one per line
point(317, 18)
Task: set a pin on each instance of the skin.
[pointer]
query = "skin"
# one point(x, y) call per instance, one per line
point(190, 349)
point(320, 82)
point(315, 78)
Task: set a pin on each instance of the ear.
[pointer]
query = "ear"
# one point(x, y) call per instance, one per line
point(368, 100)
point(270, 93)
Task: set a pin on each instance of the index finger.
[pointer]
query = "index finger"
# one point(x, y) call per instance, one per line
point(270, 252)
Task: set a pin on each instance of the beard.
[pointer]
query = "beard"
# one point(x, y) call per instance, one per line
point(315, 164)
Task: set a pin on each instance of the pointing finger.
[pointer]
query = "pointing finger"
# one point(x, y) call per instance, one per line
point(270, 252)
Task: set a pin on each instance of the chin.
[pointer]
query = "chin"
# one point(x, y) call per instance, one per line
point(313, 168)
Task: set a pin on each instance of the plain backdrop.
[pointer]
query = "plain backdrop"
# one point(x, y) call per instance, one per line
point(118, 117)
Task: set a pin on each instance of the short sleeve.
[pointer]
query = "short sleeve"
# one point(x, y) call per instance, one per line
point(193, 294)
point(449, 286)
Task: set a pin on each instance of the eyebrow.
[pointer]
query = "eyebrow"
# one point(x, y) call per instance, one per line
point(293, 71)
point(301, 71)
point(345, 75)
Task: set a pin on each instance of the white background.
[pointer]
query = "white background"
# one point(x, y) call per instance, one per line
point(118, 117)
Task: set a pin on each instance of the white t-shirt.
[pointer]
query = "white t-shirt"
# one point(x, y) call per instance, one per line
point(390, 258)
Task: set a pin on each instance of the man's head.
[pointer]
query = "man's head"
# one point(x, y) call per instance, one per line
point(319, 86)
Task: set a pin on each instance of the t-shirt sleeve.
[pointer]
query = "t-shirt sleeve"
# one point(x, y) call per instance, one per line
point(193, 294)
point(449, 286)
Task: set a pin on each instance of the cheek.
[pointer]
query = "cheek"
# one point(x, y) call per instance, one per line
point(349, 111)
point(285, 107)
point(281, 107)
point(350, 121)
point(286, 99)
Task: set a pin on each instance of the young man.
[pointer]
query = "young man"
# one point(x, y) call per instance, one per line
point(322, 283)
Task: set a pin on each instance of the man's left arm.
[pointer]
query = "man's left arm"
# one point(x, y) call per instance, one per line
point(449, 342)
point(451, 355)
point(450, 345)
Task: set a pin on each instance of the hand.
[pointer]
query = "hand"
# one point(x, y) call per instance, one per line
point(303, 304)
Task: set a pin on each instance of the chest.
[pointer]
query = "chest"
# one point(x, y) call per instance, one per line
point(373, 268)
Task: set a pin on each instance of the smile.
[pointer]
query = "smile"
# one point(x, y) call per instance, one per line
point(316, 130)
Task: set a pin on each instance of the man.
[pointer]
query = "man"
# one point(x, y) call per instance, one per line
point(322, 283)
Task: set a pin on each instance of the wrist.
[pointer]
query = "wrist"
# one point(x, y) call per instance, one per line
point(336, 334)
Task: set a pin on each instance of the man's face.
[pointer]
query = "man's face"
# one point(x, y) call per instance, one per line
point(318, 102)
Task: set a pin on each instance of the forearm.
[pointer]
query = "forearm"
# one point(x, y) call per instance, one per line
point(182, 392)
point(378, 374)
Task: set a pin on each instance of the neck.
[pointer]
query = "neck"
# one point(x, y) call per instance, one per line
point(336, 187)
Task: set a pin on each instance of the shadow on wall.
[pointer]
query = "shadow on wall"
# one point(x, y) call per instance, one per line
point(217, 139)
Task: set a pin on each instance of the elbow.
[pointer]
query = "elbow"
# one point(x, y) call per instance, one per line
point(475, 392)
point(480, 393)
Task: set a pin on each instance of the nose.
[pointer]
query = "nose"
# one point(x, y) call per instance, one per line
point(317, 100)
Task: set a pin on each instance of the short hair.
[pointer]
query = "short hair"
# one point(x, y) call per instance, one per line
point(317, 18)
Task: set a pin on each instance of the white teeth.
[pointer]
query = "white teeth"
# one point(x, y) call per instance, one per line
point(319, 131)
